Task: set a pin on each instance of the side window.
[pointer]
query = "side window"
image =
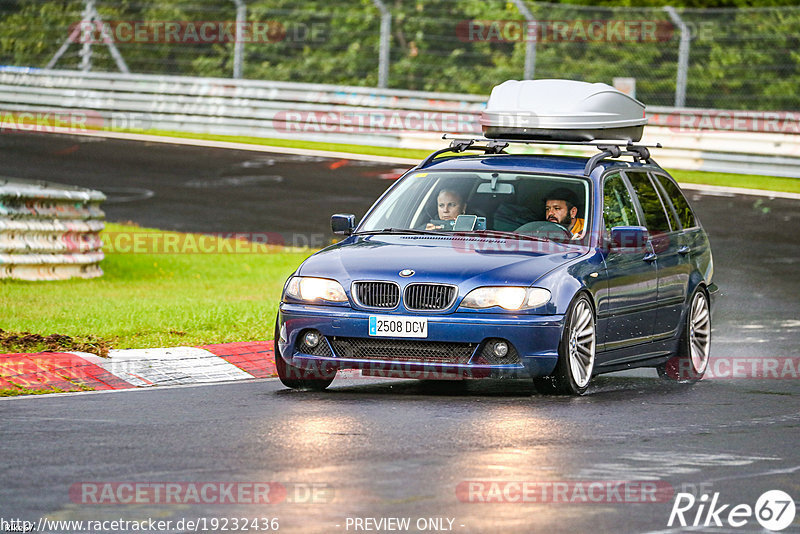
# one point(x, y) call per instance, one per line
point(617, 204)
point(655, 218)
point(679, 202)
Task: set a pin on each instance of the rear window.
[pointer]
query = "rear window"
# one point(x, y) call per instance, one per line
point(682, 209)
point(655, 217)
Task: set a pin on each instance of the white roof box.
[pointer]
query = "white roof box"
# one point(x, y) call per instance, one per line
point(562, 110)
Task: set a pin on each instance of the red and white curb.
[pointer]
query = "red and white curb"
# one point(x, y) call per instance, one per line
point(123, 369)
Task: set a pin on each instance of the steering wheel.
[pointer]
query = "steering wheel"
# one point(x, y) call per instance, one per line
point(552, 230)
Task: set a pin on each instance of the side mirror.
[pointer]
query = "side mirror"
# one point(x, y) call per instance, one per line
point(629, 237)
point(343, 224)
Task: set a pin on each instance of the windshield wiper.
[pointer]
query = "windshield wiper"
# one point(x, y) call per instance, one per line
point(477, 233)
point(400, 231)
point(500, 233)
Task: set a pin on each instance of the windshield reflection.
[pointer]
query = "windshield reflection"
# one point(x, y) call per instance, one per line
point(491, 204)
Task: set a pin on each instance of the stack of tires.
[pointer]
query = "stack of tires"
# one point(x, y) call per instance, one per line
point(49, 231)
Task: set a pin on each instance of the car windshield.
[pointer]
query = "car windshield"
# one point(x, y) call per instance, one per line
point(552, 207)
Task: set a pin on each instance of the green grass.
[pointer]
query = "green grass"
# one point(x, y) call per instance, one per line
point(411, 153)
point(30, 342)
point(749, 181)
point(18, 391)
point(157, 300)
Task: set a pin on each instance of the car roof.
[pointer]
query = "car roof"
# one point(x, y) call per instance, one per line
point(571, 165)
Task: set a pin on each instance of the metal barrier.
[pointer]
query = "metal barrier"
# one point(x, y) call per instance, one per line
point(57, 100)
point(49, 231)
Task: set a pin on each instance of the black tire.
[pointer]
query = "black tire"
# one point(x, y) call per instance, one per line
point(576, 352)
point(296, 378)
point(691, 360)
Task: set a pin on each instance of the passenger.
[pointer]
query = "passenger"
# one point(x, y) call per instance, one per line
point(449, 205)
point(560, 207)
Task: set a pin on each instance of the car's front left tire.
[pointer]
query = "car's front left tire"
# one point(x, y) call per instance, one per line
point(296, 378)
point(576, 352)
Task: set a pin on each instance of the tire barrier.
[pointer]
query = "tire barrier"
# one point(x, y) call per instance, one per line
point(49, 231)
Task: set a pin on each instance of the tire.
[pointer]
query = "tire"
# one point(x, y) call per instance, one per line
point(296, 378)
point(691, 360)
point(576, 352)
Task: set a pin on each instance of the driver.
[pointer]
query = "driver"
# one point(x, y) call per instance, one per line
point(449, 205)
point(559, 207)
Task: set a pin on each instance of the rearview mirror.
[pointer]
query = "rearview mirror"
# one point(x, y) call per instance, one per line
point(343, 224)
point(499, 189)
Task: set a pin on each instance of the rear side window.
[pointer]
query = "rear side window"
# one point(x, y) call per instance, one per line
point(655, 218)
point(679, 202)
point(617, 204)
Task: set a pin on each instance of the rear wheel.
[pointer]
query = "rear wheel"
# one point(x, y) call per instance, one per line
point(296, 378)
point(576, 352)
point(690, 363)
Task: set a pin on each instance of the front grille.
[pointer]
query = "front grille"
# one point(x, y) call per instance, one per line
point(377, 294)
point(429, 297)
point(402, 350)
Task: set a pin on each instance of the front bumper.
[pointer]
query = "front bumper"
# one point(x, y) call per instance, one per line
point(533, 340)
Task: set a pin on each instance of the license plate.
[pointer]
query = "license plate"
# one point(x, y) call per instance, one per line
point(394, 326)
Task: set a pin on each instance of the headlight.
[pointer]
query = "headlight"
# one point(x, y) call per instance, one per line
point(311, 289)
point(508, 298)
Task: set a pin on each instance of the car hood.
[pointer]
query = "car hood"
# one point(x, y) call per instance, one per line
point(464, 261)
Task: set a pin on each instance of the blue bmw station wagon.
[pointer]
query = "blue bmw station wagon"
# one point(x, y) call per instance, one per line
point(480, 263)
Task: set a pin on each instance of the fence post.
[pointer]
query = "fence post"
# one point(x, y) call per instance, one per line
point(530, 39)
point(238, 45)
point(83, 31)
point(383, 54)
point(683, 57)
point(86, 47)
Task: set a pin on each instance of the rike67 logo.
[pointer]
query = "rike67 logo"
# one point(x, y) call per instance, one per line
point(774, 510)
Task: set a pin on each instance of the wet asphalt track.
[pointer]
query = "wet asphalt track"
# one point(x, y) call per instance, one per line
point(400, 448)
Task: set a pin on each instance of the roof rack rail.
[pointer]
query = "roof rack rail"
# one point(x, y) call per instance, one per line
point(461, 145)
point(638, 152)
point(608, 149)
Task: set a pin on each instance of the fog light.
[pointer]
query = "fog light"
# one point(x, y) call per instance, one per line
point(500, 349)
point(311, 339)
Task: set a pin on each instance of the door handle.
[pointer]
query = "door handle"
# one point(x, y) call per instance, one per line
point(650, 257)
point(684, 250)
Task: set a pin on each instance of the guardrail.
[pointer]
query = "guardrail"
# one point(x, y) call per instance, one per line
point(34, 99)
point(49, 231)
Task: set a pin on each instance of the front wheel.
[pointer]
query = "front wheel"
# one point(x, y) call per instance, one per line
point(690, 363)
point(576, 352)
point(296, 378)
